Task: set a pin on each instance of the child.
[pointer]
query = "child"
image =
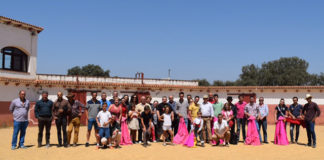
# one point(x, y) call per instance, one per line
point(133, 123)
point(167, 119)
point(103, 120)
point(198, 124)
point(146, 120)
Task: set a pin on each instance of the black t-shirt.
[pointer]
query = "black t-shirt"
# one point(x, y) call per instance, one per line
point(146, 118)
point(281, 110)
point(113, 127)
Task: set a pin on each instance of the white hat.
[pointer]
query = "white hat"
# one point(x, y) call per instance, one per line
point(309, 96)
point(103, 140)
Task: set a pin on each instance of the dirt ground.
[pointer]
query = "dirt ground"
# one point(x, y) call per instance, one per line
point(157, 151)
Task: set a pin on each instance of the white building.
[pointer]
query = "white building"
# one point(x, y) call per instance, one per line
point(18, 61)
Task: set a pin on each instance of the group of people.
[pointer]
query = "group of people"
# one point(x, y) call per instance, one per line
point(120, 121)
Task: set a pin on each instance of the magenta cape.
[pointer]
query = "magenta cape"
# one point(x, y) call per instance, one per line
point(252, 136)
point(281, 135)
point(182, 134)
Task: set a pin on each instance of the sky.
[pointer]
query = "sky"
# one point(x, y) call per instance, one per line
point(209, 39)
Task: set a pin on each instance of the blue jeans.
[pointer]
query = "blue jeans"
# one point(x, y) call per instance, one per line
point(292, 126)
point(104, 132)
point(186, 122)
point(92, 122)
point(263, 124)
point(241, 122)
point(258, 128)
point(310, 128)
point(19, 127)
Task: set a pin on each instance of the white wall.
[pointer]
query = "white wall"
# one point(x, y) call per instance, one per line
point(22, 39)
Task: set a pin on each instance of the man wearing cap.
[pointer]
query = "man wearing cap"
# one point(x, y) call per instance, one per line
point(207, 112)
point(310, 112)
point(61, 109)
point(77, 109)
point(19, 107)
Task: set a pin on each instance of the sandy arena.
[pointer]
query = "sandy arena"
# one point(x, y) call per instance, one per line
point(157, 151)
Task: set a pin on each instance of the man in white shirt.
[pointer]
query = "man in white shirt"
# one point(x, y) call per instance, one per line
point(207, 111)
point(221, 130)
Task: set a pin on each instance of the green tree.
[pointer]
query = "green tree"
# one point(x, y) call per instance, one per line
point(203, 82)
point(284, 72)
point(89, 70)
point(249, 75)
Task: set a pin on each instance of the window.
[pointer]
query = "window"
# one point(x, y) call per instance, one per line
point(13, 59)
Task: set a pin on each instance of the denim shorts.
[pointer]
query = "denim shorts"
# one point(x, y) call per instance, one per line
point(92, 122)
point(104, 132)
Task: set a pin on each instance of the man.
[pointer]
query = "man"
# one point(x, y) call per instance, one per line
point(60, 112)
point(294, 112)
point(159, 111)
point(310, 112)
point(251, 109)
point(77, 109)
point(207, 112)
point(115, 132)
point(19, 108)
point(104, 100)
point(115, 95)
point(148, 100)
point(194, 109)
point(211, 98)
point(175, 122)
point(221, 131)
point(234, 109)
point(217, 106)
point(146, 120)
point(264, 112)
point(189, 98)
point(182, 108)
point(140, 109)
point(241, 120)
point(43, 112)
point(93, 107)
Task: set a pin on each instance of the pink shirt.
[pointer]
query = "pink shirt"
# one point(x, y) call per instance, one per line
point(240, 109)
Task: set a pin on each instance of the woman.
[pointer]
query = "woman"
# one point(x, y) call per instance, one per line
point(115, 109)
point(281, 113)
point(133, 124)
point(134, 100)
point(228, 114)
point(125, 137)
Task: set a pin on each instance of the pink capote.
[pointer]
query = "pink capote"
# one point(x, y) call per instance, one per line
point(182, 134)
point(281, 135)
point(125, 137)
point(252, 136)
point(190, 140)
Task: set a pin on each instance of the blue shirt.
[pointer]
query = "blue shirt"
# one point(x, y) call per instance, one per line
point(43, 108)
point(108, 103)
point(295, 110)
point(264, 110)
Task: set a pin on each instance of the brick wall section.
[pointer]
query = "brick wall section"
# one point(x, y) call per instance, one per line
point(7, 120)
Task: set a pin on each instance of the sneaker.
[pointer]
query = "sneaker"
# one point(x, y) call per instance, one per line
point(309, 144)
point(74, 145)
point(202, 144)
point(87, 144)
point(39, 145)
point(23, 147)
point(154, 141)
point(66, 146)
point(140, 142)
point(164, 144)
point(13, 148)
point(314, 145)
point(148, 142)
point(226, 144)
point(47, 146)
